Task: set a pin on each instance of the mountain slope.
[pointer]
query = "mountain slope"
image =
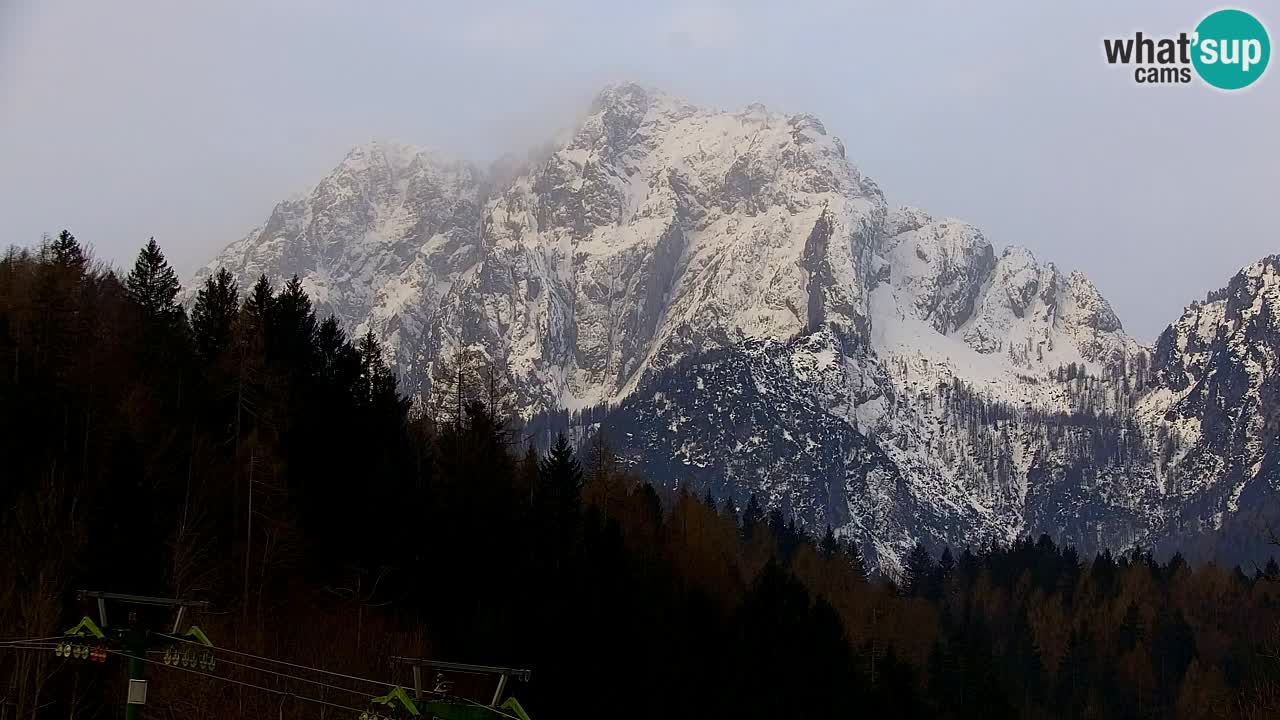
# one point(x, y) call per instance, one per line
point(658, 231)
point(761, 321)
point(1218, 392)
point(377, 243)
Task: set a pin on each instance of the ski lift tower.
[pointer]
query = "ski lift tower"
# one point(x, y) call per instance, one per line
point(136, 636)
point(503, 674)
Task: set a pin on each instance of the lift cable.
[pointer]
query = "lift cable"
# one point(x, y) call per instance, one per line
point(263, 688)
point(379, 683)
point(287, 676)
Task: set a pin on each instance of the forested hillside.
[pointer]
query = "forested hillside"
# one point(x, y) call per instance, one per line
point(251, 454)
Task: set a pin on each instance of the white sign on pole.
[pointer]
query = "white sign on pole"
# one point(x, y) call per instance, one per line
point(137, 692)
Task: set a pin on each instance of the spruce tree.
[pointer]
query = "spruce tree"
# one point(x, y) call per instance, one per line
point(709, 500)
point(828, 546)
point(916, 570)
point(67, 253)
point(558, 500)
point(153, 286)
point(853, 556)
point(294, 328)
point(941, 574)
point(730, 510)
point(752, 517)
point(377, 383)
point(259, 306)
point(560, 478)
point(214, 314)
point(339, 363)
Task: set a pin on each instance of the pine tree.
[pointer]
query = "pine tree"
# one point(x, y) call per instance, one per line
point(214, 314)
point(338, 362)
point(777, 524)
point(829, 544)
point(558, 496)
point(58, 294)
point(752, 517)
point(946, 564)
point(67, 253)
point(560, 475)
point(294, 328)
point(730, 510)
point(916, 570)
point(153, 285)
point(259, 306)
point(853, 556)
point(377, 384)
point(293, 310)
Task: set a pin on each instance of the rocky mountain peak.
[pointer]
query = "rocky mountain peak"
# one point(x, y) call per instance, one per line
point(938, 268)
point(381, 155)
point(1253, 295)
point(1239, 315)
point(376, 241)
point(624, 99)
point(904, 219)
point(1091, 309)
point(732, 276)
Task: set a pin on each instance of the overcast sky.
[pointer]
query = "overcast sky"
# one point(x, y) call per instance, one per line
point(188, 120)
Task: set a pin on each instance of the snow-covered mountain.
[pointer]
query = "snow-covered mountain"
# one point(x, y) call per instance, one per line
point(377, 243)
point(761, 321)
point(658, 231)
point(1217, 396)
point(996, 392)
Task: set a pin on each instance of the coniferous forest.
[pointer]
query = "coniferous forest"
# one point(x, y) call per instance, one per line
point(241, 450)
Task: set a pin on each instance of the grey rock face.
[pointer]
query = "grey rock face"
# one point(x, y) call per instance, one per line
point(1217, 372)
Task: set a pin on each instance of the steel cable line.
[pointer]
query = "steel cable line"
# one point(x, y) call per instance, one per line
point(263, 658)
point(283, 693)
point(263, 688)
point(34, 640)
point(290, 677)
point(435, 695)
point(286, 676)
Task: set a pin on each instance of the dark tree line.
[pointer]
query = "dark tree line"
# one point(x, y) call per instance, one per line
point(250, 453)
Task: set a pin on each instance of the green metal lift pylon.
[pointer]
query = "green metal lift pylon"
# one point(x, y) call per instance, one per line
point(86, 627)
point(398, 694)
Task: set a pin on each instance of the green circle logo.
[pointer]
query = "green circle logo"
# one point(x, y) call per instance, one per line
point(1232, 49)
